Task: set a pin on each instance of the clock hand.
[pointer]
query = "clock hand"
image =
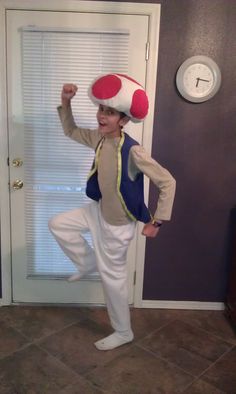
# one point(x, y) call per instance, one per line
point(204, 80)
point(201, 79)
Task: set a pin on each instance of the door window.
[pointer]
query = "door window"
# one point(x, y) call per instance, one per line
point(56, 168)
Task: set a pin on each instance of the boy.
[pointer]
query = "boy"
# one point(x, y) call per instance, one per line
point(115, 185)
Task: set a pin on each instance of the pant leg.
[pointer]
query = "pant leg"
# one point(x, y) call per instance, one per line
point(111, 246)
point(67, 228)
point(110, 252)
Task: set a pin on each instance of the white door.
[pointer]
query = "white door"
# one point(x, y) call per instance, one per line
point(47, 170)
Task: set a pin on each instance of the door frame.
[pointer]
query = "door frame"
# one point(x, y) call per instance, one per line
point(153, 12)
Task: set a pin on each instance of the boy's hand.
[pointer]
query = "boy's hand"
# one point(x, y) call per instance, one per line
point(150, 231)
point(68, 92)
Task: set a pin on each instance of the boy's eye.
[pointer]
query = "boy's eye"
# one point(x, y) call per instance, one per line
point(107, 111)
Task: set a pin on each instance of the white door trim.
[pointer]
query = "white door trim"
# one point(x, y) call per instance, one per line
point(4, 171)
point(153, 12)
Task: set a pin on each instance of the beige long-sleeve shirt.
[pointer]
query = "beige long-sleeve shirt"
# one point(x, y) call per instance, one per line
point(139, 161)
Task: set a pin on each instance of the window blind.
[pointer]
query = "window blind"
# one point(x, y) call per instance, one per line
point(56, 167)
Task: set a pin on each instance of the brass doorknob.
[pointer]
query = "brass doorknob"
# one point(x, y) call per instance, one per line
point(17, 162)
point(17, 184)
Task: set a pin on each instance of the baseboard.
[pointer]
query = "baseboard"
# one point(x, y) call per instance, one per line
point(4, 302)
point(198, 305)
point(192, 305)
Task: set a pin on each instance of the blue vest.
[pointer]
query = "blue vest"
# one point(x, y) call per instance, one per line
point(131, 193)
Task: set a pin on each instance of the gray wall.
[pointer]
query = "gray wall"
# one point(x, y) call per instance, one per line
point(197, 143)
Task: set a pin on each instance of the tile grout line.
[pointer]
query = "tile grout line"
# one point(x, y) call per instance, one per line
point(165, 360)
point(16, 351)
point(58, 360)
point(34, 341)
point(193, 326)
point(52, 333)
point(68, 368)
point(210, 333)
point(195, 378)
point(56, 332)
point(155, 330)
point(194, 381)
point(205, 370)
point(210, 366)
point(216, 361)
point(84, 376)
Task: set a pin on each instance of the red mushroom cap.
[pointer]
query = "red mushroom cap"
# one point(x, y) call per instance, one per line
point(122, 93)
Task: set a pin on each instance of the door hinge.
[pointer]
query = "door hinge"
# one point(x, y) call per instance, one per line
point(134, 278)
point(147, 50)
point(8, 161)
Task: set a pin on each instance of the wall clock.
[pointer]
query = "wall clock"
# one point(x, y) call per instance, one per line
point(198, 79)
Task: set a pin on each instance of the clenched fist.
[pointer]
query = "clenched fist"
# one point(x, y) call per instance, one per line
point(68, 92)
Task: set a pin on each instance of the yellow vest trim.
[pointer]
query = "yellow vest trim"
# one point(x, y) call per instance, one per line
point(94, 169)
point(119, 160)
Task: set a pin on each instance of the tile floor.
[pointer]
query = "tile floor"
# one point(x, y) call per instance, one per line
point(49, 350)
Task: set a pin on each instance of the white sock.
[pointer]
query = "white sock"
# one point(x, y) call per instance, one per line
point(74, 277)
point(79, 274)
point(113, 341)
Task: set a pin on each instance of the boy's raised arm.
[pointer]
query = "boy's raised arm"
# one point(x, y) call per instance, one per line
point(84, 136)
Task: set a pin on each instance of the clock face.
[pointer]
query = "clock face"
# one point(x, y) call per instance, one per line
point(198, 79)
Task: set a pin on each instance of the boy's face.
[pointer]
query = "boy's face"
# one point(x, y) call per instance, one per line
point(110, 121)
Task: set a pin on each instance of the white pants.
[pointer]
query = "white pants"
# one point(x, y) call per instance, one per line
point(108, 256)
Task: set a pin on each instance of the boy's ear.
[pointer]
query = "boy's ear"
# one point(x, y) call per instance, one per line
point(123, 121)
